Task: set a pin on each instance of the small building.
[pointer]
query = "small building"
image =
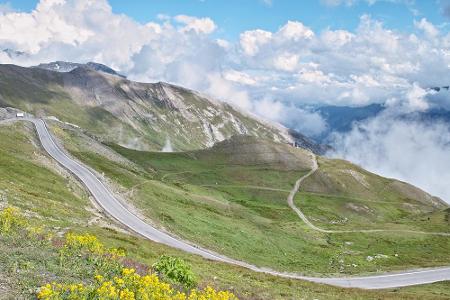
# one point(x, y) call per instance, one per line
point(20, 115)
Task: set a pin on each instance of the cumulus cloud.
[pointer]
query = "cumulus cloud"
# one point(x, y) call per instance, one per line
point(240, 77)
point(42, 27)
point(199, 25)
point(286, 61)
point(74, 30)
point(252, 40)
point(428, 28)
point(295, 31)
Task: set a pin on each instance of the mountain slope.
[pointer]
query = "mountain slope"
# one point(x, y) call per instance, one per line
point(136, 115)
point(235, 204)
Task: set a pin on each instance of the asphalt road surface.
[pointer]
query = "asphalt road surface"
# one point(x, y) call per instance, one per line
point(119, 212)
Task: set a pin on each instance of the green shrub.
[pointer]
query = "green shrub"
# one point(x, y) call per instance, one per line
point(176, 270)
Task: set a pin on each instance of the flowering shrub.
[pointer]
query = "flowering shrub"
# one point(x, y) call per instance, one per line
point(55, 291)
point(11, 218)
point(176, 270)
point(88, 244)
point(128, 286)
point(211, 294)
point(82, 243)
point(79, 249)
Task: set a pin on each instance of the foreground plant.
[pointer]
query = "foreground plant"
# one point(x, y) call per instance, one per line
point(176, 270)
point(113, 281)
point(80, 250)
point(128, 286)
point(11, 219)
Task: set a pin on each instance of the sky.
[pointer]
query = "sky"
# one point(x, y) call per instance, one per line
point(278, 59)
point(235, 16)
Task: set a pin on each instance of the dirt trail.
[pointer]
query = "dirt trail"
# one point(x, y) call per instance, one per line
point(302, 216)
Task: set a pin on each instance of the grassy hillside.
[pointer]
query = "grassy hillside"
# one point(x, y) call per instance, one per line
point(235, 203)
point(52, 199)
point(343, 196)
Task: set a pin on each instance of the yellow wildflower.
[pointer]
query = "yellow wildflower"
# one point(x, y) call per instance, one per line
point(126, 294)
point(45, 292)
point(127, 272)
point(11, 217)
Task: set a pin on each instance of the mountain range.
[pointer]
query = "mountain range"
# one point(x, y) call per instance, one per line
point(143, 116)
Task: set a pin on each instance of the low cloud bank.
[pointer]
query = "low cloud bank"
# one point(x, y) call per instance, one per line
point(402, 146)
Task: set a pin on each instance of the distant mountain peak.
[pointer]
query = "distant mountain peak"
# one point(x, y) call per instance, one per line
point(65, 66)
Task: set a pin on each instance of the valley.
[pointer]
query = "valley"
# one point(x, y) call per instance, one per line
point(252, 201)
point(114, 235)
point(263, 215)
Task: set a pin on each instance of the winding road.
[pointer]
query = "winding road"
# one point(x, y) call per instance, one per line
point(112, 206)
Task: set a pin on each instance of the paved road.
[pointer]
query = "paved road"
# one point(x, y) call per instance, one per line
point(119, 212)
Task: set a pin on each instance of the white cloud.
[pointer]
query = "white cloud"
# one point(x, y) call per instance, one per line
point(313, 76)
point(302, 120)
point(224, 89)
point(428, 28)
point(286, 62)
point(336, 38)
point(252, 40)
point(199, 25)
point(239, 77)
point(295, 31)
point(223, 43)
point(43, 26)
